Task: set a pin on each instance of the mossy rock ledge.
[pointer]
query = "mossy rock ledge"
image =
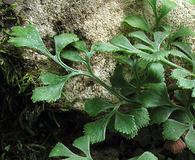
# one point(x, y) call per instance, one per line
point(92, 20)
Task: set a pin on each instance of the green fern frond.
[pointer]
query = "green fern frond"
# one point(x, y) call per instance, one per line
point(141, 117)
point(184, 79)
point(97, 130)
point(154, 57)
point(125, 124)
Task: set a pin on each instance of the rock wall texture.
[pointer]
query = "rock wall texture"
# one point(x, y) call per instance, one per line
point(94, 20)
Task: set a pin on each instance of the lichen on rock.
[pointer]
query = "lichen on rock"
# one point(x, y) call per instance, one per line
point(94, 20)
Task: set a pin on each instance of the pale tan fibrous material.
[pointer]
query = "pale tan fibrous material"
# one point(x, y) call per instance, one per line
point(94, 20)
point(183, 15)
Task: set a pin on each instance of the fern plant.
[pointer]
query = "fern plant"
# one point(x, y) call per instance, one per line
point(82, 143)
point(145, 156)
point(143, 96)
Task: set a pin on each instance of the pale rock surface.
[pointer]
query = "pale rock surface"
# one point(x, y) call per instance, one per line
point(94, 20)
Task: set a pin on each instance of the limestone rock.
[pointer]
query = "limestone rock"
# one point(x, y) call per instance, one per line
point(94, 20)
